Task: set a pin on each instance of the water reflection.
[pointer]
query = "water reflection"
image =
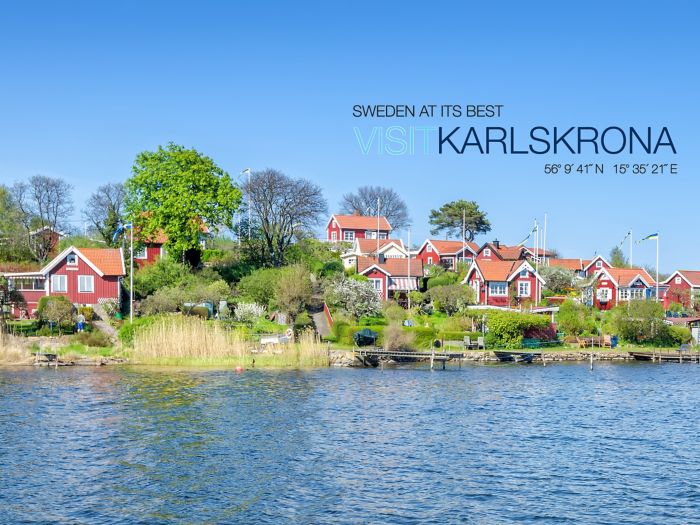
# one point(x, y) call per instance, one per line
point(509, 444)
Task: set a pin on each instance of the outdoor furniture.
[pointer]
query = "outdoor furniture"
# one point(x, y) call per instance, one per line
point(607, 341)
point(582, 343)
point(531, 343)
point(469, 344)
point(480, 343)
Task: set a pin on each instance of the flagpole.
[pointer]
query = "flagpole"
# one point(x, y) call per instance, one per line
point(657, 267)
point(631, 264)
point(408, 248)
point(544, 239)
point(131, 278)
point(464, 235)
point(377, 229)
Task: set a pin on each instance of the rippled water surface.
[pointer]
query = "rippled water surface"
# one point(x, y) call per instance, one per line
point(484, 444)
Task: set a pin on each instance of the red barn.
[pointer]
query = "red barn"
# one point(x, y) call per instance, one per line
point(392, 278)
point(614, 285)
point(446, 253)
point(86, 276)
point(502, 283)
point(683, 287)
point(351, 227)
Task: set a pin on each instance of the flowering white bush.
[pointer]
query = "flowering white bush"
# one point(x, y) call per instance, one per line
point(358, 298)
point(248, 312)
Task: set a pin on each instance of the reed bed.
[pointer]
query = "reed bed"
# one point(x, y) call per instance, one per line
point(190, 341)
point(12, 351)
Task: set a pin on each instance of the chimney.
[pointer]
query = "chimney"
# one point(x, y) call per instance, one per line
point(356, 213)
point(497, 243)
point(382, 258)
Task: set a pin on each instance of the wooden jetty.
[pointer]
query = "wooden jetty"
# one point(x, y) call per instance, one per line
point(672, 357)
point(517, 356)
point(375, 356)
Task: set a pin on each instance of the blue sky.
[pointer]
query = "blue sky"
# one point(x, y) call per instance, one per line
point(86, 86)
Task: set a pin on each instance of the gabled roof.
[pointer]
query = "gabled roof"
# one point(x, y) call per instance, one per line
point(626, 276)
point(596, 258)
point(503, 252)
point(105, 261)
point(393, 267)
point(546, 253)
point(448, 247)
point(367, 246)
point(361, 222)
point(692, 277)
point(499, 270)
point(569, 264)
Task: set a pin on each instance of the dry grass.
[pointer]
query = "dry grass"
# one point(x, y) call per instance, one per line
point(12, 351)
point(190, 341)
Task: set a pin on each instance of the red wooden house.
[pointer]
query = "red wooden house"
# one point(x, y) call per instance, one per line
point(446, 253)
point(351, 227)
point(594, 265)
point(504, 283)
point(392, 278)
point(86, 276)
point(495, 251)
point(150, 250)
point(390, 248)
point(683, 288)
point(612, 286)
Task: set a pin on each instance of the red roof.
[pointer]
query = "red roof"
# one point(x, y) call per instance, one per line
point(445, 247)
point(107, 260)
point(569, 264)
point(692, 276)
point(362, 222)
point(370, 245)
point(625, 276)
point(497, 270)
point(396, 267)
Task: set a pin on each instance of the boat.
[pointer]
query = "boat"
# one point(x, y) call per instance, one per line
point(516, 357)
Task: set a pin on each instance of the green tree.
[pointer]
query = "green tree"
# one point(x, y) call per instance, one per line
point(558, 280)
point(293, 289)
point(8, 297)
point(163, 273)
point(56, 310)
point(617, 258)
point(178, 190)
point(260, 286)
point(640, 322)
point(451, 216)
point(572, 318)
point(451, 298)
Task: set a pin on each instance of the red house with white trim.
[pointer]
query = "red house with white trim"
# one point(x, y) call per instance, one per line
point(683, 287)
point(86, 276)
point(392, 278)
point(495, 251)
point(612, 286)
point(389, 248)
point(504, 283)
point(350, 227)
point(446, 253)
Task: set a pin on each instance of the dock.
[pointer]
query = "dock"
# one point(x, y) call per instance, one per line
point(668, 357)
point(375, 356)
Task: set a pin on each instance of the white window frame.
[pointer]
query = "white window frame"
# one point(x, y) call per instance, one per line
point(382, 235)
point(429, 249)
point(678, 280)
point(523, 273)
point(141, 254)
point(623, 294)
point(498, 289)
point(603, 294)
point(57, 278)
point(487, 252)
point(334, 236)
point(638, 294)
point(450, 262)
point(72, 257)
point(348, 235)
point(90, 279)
point(599, 264)
point(376, 284)
point(430, 260)
point(525, 284)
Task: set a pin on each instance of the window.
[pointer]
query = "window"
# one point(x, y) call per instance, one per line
point(376, 284)
point(72, 260)
point(430, 260)
point(334, 236)
point(429, 249)
point(498, 288)
point(26, 284)
point(382, 235)
point(349, 235)
point(603, 294)
point(487, 252)
point(59, 283)
point(523, 273)
point(638, 293)
point(678, 280)
point(623, 294)
point(599, 264)
point(141, 253)
point(449, 263)
point(86, 283)
point(523, 288)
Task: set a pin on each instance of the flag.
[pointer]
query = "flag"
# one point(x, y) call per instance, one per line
point(623, 240)
point(650, 237)
point(522, 243)
point(121, 229)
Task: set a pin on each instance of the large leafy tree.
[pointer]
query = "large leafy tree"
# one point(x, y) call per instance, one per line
point(450, 218)
point(178, 190)
point(8, 297)
point(103, 210)
point(364, 202)
point(284, 209)
point(13, 246)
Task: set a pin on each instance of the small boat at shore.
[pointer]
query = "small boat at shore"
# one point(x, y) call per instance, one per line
point(514, 357)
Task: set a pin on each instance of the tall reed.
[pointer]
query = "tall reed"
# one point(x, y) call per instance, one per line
point(12, 351)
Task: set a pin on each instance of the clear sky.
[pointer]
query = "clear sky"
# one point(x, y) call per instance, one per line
point(87, 85)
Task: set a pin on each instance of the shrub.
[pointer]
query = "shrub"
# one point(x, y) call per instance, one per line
point(248, 312)
point(163, 273)
point(573, 318)
point(303, 322)
point(293, 289)
point(640, 322)
point(87, 312)
point(676, 308)
point(452, 298)
point(508, 328)
point(679, 335)
point(259, 286)
point(393, 312)
point(357, 298)
point(443, 279)
point(57, 310)
point(396, 338)
point(127, 331)
point(95, 339)
point(199, 311)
